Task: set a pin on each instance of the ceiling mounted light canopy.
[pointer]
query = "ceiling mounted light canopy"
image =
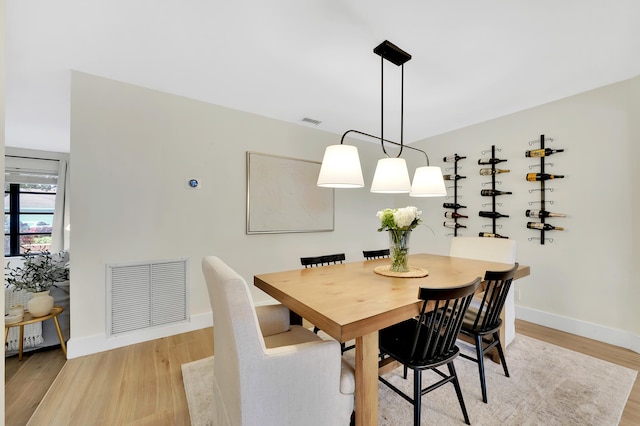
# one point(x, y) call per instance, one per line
point(341, 164)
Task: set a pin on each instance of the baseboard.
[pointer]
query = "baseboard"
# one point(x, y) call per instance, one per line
point(94, 344)
point(77, 347)
point(612, 336)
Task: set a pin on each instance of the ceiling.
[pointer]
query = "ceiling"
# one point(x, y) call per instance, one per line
point(293, 59)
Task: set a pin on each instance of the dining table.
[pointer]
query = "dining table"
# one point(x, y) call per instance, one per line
point(354, 300)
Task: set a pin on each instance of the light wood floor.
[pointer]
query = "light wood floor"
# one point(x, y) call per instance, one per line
point(142, 384)
point(27, 381)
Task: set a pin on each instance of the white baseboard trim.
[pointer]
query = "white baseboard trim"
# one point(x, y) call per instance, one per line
point(612, 336)
point(77, 347)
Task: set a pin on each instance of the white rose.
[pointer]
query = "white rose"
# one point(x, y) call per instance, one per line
point(403, 217)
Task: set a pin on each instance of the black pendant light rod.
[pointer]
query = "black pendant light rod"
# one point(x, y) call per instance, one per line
point(401, 108)
point(397, 56)
point(382, 105)
point(384, 140)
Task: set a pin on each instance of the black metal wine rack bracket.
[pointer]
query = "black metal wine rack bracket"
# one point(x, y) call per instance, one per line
point(493, 188)
point(455, 191)
point(542, 189)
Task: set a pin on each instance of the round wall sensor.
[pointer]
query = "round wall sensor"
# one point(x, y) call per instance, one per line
point(193, 183)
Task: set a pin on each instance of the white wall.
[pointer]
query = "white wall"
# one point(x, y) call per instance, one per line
point(132, 150)
point(585, 281)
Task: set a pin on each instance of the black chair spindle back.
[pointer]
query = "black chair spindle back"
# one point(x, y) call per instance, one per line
point(328, 259)
point(429, 341)
point(439, 323)
point(482, 322)
point(375, 254)
point(497, 286)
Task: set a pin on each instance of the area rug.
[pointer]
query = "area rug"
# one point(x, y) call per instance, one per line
point(549, 385)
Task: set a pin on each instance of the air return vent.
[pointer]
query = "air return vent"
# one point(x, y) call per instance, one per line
point(311, 121)
point(143, 295)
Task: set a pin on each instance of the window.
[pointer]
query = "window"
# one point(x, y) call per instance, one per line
point(29, 204)
point(28, 219)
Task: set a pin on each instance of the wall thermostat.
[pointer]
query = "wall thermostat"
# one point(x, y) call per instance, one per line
point(193, 183)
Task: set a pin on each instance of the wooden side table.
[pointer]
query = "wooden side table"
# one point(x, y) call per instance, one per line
point(29, 319)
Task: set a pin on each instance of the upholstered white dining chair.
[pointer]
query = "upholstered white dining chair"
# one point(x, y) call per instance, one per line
point(501, 250)
point(266, 371)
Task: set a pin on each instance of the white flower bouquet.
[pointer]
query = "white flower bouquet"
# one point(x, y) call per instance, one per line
point(402, 219)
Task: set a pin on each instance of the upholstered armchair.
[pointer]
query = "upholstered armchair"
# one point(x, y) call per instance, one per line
point(267, 372)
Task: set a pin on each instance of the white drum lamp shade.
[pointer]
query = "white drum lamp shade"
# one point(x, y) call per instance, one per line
point(341, 168)
point(428, 182)
point(391, 177)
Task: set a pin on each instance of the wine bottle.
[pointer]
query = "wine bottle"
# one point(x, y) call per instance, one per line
point(490, 235)
point(453, 225)
point(541, 152)
point(490, 192)
point(455, 215)
point(453, 158)
point(544, 226)
point(495, 215)
point(453, 177)
point(487, 171)
point(453, 206)
point(490, 161)
point(533, 177)
point(543, 214)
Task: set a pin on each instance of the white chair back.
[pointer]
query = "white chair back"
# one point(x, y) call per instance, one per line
point(298, 381)
point(501, 250)
point(234, 340)
point(489, 249)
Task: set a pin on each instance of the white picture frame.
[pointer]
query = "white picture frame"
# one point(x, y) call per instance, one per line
point(283, 196)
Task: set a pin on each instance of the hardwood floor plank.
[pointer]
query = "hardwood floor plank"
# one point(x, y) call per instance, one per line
point(141, 384)
point(27, 382)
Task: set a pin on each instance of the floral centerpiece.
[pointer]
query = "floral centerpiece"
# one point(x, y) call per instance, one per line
point(399, 222)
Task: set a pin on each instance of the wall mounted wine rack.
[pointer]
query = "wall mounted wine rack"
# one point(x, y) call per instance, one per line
point(451, 217)
point(542, 152)
point(489, 169)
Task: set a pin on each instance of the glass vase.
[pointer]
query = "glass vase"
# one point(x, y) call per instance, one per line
point(399, 249)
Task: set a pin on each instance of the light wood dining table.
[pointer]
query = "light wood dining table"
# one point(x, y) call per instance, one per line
point(351, 301)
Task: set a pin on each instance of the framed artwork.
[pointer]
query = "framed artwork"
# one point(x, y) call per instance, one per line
point(282, 196)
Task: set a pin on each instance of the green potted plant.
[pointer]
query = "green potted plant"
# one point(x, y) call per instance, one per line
point(38, 273)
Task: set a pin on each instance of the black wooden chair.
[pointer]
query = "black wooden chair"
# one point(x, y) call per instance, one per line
point(482, 322)
point(429, 341)
point(375, 254)
point(327, 259)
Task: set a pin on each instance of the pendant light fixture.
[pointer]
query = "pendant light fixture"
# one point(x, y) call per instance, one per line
point(341, 163)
